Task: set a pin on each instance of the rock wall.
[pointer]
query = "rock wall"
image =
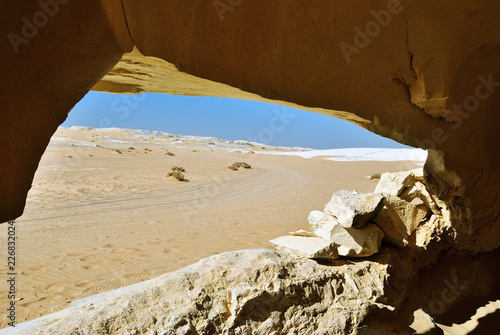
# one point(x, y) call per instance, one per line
point(268, 292)
point(424, 73)
point(245, 292)
point(51, 55)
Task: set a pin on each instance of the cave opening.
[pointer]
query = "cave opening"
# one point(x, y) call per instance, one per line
point(427, 75)
point(103, 213)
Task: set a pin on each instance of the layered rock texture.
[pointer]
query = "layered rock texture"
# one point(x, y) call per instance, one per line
point(343, 229)
point(425, 73)
point(247, 292)
point(353, 224)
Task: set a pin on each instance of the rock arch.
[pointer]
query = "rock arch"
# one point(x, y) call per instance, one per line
point(423, 73)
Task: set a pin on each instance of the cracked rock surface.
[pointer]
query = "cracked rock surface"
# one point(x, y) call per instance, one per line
point(241, 292)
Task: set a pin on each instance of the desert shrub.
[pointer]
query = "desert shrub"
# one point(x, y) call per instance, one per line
point(168, 153)
point(177, 173)
point(375, 176)
point(178, 168)
point(237, 165)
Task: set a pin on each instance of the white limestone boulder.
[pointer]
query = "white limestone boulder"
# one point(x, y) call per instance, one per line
point(352, 209)
point(307, 247)
point(419, 191)
point(393, 183)
point(362, 242)
point(322, 224)
point(398, 219)
point(302, 232)
point(238, 292)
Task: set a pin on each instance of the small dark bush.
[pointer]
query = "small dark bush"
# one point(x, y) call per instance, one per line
point(237, 165)
point(177, 173)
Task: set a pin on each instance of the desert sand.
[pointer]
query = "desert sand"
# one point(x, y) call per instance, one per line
point(102, 212)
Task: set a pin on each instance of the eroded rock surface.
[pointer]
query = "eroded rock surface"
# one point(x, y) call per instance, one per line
point(306, 246)
point(407, 204)
point(429, 77)
point(322, 224)
point(437, 88)
point(352, 209)
point(343, 229)
point(244, 292)
point(362, 242)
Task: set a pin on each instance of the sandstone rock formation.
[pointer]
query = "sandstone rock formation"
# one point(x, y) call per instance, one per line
point(437, 88)
point(401, 206)
point(322, 224)
point(424, 73)
point(341, 230)
point(268, 292)
point(399, 219)
point(407, 204)
point(306, 246)
point(362, 242)
point(353, 210)
point(245, 292)
point(394, 183)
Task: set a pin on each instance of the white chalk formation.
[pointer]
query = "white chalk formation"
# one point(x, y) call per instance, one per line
point(343, 229)
point(354, 224)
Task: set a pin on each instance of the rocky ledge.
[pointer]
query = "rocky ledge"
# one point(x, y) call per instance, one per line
point(355, 225)
point(242, 292)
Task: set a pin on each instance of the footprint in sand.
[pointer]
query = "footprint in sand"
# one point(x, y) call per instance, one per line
point(145, 274)
point(32, 270)
point(171, 251)
point(95, 265)
point(106, 246)
point(122, 261)
point(82, 284)
point(95, 289)
point(88, 258)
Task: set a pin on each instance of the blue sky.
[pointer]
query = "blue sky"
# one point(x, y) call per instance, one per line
point(225, 118)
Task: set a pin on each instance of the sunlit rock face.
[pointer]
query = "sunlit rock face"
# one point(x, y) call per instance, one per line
point(424, 73)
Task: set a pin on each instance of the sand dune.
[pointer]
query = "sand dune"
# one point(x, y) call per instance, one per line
point(103, 214)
